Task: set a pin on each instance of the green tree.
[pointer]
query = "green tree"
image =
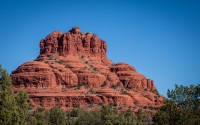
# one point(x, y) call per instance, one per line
point(57, 116)
point(9, 114)
point(181, 108)
point(126, 118)
point(41, 116)
point(169, 114)
point(87, 118)
point(13, 107)
point(22, 106)
point(107, 115)
point(31, 120)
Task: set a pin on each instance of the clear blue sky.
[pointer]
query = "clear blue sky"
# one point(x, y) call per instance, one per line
point(160, 38)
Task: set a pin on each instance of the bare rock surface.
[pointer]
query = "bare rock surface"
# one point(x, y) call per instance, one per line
point(73, 70)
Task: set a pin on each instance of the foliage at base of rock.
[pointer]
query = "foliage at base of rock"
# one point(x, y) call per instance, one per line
point(182, 107)
point(13, 108)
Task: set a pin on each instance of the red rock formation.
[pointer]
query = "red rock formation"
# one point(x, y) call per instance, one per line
point(73, 43)
point(73, 70)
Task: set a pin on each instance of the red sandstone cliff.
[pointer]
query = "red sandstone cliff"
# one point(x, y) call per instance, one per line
point(73, 70)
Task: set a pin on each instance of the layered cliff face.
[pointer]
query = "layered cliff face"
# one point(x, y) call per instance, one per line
point(73, 70)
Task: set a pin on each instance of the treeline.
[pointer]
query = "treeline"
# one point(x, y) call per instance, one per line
point(78, 116)
point(181, 108)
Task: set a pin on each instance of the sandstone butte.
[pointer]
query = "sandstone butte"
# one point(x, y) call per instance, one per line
point(73, 70)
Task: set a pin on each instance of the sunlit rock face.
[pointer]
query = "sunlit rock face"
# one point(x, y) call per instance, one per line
point(73, 70)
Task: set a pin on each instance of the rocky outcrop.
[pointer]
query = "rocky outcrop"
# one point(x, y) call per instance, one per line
point(73, 43)
point(73, 70)
point(40, 75)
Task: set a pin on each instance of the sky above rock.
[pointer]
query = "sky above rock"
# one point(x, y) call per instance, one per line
point(161, 39)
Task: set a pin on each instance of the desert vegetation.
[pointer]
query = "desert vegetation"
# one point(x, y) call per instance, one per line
point(181, 108)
